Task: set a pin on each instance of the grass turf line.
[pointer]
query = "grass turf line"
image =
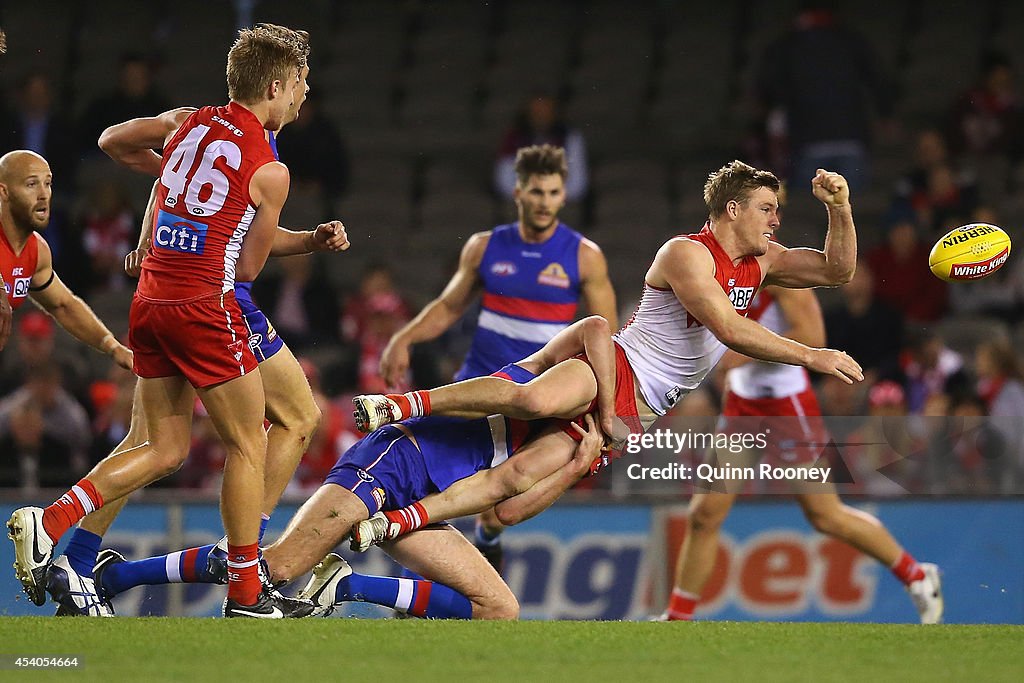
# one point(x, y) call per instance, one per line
point(206, 649)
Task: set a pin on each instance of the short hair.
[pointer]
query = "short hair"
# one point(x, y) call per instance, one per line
point(540, 160)
point(261, 55)
point(735, 181)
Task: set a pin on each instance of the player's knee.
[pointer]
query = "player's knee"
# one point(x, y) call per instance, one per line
point(826, 521)
point(503, 607)
point(533, 403)
point(512, 481)
point(701, 519)
point(303, 421)
point(250, 446)
point(167, 461)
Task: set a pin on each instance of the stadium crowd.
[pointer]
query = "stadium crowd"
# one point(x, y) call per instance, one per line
point(928, 349)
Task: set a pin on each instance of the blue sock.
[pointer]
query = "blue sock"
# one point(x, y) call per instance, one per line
point(418, 598)
point(183, 566)
point(483, 537)
point(264, 521)
point(82, 550)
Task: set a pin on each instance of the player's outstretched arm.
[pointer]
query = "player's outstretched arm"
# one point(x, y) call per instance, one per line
point(439, 314)
point(541, 495)
point(812, 267)
point(6, 314)
point(330, 236)
point(688, 268)
point(133, 143)
point(73, 314)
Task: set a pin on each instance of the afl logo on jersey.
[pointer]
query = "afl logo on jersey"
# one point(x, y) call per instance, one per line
point(554, 275)
point(504, 268)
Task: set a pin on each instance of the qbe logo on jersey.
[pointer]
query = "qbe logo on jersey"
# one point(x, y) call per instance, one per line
point(179, 234)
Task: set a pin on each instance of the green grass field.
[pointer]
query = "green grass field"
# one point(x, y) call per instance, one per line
point(378, 650)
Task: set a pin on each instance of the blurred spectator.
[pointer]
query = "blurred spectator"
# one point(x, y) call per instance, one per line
point(902, 279)
point(864, 327)
point(317, 157)
point(879, 461)
point(930, 369)
point(370, 317)
point(109, 229)
point(134, 96)
point(64, 422)
point(37, 126)
point(934, 191)
point(987, 119)
point(824, 78)
point(301, 305)
point(33, 346)
point(540, 122)
point(1000, 378)
point(111, 402)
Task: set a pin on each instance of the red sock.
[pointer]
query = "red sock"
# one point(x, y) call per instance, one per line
point(906, 569)
point(681, 605)
point(413, 403)
point(243, 573)
point(408, 518)
point(70, 508)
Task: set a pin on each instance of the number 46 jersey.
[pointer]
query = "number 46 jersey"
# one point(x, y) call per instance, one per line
point(203, 207)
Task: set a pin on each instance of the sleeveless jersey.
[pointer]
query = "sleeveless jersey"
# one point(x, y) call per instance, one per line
point(203, 205)
point(17, 269)
point(530, 294)
point(670, 351)
point(763, 379)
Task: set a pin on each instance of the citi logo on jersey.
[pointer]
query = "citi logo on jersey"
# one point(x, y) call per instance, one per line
point(177, 234)
point(554, 275)
point(504, 268)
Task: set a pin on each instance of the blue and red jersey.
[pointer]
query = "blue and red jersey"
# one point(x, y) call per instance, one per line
point(531, 292)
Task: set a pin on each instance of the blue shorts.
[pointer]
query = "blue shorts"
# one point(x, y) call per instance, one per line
point(263, 339)
point(385, 469)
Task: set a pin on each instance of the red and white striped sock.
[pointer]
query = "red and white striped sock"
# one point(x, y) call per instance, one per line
point(906, 569)
point(408, 518)
point(681, 605)
point(69, 509)
point(412, 404)
point(243, 573)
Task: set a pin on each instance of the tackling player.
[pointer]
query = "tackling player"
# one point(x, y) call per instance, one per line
point(696, 295)
point(760, 389)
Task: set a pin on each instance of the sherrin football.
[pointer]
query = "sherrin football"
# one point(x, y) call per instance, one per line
point(969, 252)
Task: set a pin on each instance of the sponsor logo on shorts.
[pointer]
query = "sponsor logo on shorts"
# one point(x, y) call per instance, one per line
point(364, 475)
point(179, 234)
point(271, 332)
point(673, 395)
point(554, 275)
point(379, 496)
point(504, 268)
point(255, 340)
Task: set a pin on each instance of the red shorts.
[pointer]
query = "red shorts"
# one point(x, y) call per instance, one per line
point(203, 339)
point(797, 434)
point(625, 405)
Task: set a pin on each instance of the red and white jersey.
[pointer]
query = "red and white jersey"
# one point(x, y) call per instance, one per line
point(670, 350)
point(17, 269)
point(203, 205)
point(763, 379)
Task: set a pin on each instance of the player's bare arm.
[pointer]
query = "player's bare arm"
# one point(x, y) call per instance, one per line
point(6, 313)
point(73, 314)
point(268, 190)
point(541, 495)
point(330, 236)
point(689, 270)
point(133, 143)
point(803, 315)
point(439, 314)
point(597, 290)
point(835, 264)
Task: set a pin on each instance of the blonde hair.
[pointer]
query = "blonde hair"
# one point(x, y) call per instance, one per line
point(261, 55)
